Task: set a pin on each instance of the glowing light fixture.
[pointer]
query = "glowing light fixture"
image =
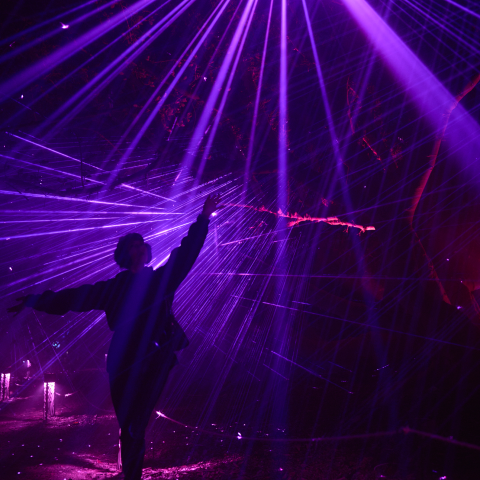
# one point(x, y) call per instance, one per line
point(4, 386)
point(48, 395)
point(119, 458)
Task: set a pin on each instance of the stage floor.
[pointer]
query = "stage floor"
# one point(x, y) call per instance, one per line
point(85, 446)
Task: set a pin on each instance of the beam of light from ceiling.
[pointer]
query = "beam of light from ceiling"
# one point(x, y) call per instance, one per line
point(461, 7)
point(425, 89)
point(333, 136)
point(42, 67)
point(471, 43)
point(56, 31)
point(257, 102)
point(249, 12)
point(331, 126)
point(62, 15)
point(430, 96)
point(215, 15)
point(217, 86)
point(282, 110)
point(67, 111)
point(71, 73)
point(326, 103)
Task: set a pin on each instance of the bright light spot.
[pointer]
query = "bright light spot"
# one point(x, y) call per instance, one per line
point(160, 414)
point(21, 96)
point(214, 214)
point(204, 79)
point(10, 268)
point(64, 27)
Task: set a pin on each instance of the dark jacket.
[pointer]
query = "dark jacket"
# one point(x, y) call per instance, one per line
point(138, 306)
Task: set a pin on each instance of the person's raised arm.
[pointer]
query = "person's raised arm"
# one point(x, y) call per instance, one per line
point(80, 299)
point(182, 258)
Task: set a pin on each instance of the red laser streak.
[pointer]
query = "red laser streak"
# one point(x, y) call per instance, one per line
point(296, 218)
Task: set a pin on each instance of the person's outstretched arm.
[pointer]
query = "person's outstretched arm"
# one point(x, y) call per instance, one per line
point(182, 258)
point(80, 299)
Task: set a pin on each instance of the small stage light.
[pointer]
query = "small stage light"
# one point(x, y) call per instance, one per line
point(49, 395)
point(4, 386)
point(119, 458)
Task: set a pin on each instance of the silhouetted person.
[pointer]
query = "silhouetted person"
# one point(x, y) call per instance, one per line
point(137, 303)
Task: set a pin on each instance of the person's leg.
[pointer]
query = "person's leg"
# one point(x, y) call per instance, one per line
point(132, 457)
point(122, 390)
point(152, 383)
point(134, 398)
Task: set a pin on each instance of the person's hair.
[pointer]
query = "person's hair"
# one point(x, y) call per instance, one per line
point(122, 252)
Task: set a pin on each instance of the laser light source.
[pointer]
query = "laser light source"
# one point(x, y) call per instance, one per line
point(4, 386)
point(49, 395)
point(119, 457)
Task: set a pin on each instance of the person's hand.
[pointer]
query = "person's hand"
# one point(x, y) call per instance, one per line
point(19, 307)
point(210, 205)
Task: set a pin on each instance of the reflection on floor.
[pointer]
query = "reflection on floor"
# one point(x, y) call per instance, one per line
point(74, 445)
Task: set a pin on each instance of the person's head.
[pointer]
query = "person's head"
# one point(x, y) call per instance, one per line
point(132, 252)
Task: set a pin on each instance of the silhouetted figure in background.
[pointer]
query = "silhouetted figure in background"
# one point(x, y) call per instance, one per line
point(146, 335)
